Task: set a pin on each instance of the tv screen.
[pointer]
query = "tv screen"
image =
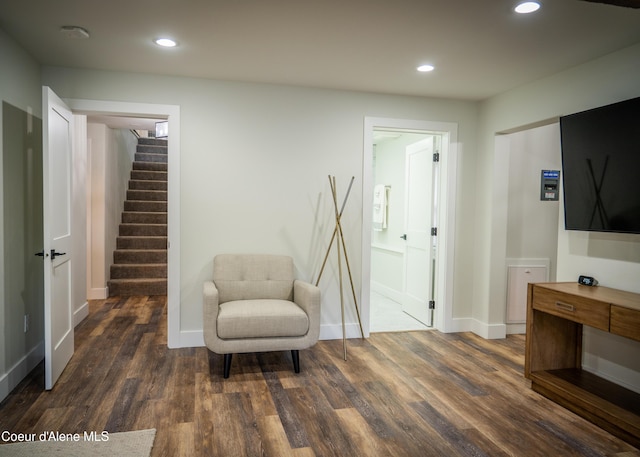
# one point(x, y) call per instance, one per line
point(601, 168)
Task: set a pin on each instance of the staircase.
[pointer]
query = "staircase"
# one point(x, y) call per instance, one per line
point(140, 258)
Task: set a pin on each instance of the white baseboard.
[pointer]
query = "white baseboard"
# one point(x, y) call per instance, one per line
point(516, 329)
point(80, 314)
point(190, 339)
point(15, 374)
point(387, 291)
point(486, 331)
point(489, 331)
point(334, 331)
point(98, 293)
point(461, 324)
point(195, 338)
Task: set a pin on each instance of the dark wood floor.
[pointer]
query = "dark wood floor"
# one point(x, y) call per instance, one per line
point(399, 394)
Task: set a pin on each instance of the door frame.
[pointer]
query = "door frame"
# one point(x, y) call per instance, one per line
point(175, 337)
point(443, 320)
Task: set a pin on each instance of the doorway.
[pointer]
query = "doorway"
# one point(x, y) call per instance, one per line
point(171, 113)
point(403, 212)
point(388, 259)
point(113, 147)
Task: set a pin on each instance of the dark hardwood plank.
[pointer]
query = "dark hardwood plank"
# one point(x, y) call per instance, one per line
point(234, 426)
point(447, 430)
point(364, 441)
point(328, 438)
point(406, 432)
point(122, 415)
point(291, 423)
point(398, 394)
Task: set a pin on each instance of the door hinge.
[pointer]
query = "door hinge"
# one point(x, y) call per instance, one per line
point(432, 304)
point(436, 157)
point(434, 231)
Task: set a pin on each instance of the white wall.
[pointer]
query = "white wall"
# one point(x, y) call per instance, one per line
point(254, 165)
point(97, 263)
point(20, 87)
point(79, 191)
point(532, 224)
point(111, 152)
point(599, 82)
point(120, 150)
point(612, 258)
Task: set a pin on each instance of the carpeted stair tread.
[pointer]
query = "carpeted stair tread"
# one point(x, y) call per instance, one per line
point(151, 157)
point(143, 229)
point(149, 175)
point(139, 256)
point(132, 287)
point(147, 206)
point(147, 195)
point(153, 140)
point(150, 166)
point(142, 217)
point(141, 242)
point(147, 184)
point(138, 270)
point(152, 148)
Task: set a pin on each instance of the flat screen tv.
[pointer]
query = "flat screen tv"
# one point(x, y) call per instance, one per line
point(601, 168)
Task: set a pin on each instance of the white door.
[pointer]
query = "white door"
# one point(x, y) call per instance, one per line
point(58, 316)
point(418, 222)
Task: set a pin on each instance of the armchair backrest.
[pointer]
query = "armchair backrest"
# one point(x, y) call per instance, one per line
point(253, 276)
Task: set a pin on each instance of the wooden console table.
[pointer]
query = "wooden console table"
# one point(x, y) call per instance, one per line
point(556, 313)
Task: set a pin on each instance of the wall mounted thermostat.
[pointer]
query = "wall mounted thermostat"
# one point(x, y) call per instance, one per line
point(549, 185)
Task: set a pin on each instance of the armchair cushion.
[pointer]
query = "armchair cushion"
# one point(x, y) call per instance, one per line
point(247, 277)
point(261, 319)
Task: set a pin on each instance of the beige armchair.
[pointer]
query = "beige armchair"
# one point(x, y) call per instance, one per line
point(254, 304)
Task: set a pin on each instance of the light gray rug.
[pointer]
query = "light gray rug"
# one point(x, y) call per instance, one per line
point(129, 444)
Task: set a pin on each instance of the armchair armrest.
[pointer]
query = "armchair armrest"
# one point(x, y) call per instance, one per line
point(307, 297)
point(210, 302)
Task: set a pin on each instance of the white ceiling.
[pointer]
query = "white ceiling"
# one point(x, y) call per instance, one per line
point(480, 47)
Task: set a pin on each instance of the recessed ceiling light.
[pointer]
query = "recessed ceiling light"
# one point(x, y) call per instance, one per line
point(527, 7)
point(165, 42)
point(425, 68)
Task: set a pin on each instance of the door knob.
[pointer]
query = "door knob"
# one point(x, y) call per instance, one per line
point(41, 254)
point(404, 237)
point(55, 254)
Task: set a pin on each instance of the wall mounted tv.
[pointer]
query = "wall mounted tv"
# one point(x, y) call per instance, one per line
point(601, 168)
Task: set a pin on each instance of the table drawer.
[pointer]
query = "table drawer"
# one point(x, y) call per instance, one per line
point(578, 309)
point(625, 322)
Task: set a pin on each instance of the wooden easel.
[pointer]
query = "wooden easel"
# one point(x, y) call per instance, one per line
point(338, 232)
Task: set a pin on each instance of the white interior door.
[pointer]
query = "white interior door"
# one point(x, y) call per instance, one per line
point(58, 315)
point(418, 223)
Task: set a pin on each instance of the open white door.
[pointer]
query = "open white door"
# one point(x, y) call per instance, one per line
point(58, 315)
point(418, 223)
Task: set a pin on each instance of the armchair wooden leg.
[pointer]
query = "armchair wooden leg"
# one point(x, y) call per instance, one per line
point(295, 355)
point(227, 365)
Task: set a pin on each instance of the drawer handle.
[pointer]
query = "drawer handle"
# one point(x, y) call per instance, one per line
point(565, 306)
